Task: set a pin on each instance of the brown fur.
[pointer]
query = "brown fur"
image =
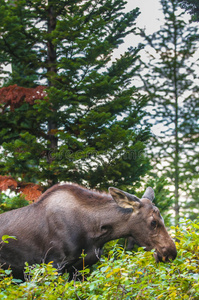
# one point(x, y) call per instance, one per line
point(82, 194)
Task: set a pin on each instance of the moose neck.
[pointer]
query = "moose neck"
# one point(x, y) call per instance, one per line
point(111, 223)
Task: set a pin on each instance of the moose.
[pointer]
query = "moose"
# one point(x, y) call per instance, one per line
point(69, 219)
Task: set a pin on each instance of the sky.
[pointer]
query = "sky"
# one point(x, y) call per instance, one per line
point(150, 12)
point(150, 18)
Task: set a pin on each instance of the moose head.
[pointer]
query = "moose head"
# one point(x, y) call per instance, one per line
point(146, 225)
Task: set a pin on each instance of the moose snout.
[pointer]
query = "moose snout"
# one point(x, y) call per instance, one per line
point(166, 254)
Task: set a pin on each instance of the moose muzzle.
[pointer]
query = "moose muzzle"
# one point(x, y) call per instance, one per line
point(166, 254)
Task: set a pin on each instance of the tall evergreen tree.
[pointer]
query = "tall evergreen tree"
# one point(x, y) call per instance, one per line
point(87, 128)
point(192, 6)
point(170, 79)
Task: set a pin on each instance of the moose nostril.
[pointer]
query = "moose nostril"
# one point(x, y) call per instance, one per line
point(164, 252)
point(171, 256)
point(174, 254)
point(168, 254)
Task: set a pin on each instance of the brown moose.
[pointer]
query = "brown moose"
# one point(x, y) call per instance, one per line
point(68, 219)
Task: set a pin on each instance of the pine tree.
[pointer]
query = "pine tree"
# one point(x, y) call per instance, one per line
point(87, 128)
point(170, 81)
point(192, 6)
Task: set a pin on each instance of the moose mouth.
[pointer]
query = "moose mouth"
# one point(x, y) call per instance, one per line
point(159, 258)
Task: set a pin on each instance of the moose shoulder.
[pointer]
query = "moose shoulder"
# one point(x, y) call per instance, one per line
point(69, 218)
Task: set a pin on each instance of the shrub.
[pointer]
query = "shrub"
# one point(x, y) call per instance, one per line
point(8, 203)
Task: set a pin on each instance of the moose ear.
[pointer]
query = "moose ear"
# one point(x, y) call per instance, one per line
point(149, 194)
point(124, 199)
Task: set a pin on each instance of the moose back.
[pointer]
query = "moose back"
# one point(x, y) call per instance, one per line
point(68, 219)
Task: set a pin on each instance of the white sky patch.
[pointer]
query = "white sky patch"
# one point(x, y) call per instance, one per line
point(150, 18)
point(150, 13)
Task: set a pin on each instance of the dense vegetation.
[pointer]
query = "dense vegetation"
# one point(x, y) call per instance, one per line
point(86, 127)
point(118, 275)
point(9, 203)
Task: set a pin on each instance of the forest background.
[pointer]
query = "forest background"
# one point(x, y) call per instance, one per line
point(71, 111)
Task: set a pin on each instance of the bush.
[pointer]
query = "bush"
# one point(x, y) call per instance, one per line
point(120, 275)
point(8, 203)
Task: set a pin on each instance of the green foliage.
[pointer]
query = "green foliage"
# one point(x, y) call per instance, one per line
point(192, 6)
point(8, 203)
point(163, 196)
point(88, 129)
point(119, 275)
point(6, 237)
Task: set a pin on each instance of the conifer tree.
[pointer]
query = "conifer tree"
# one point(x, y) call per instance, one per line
point(192, 6)
point(87, 127)
point(170, 79)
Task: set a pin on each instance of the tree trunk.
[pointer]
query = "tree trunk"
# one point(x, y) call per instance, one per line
point(52, 70)
point(176, 158)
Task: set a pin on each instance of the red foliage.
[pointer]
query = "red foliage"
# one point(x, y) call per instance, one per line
point(31, 191)
point(15, 95)
point(7, 182)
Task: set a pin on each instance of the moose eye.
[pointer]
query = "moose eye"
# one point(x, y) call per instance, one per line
point(153, 224)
